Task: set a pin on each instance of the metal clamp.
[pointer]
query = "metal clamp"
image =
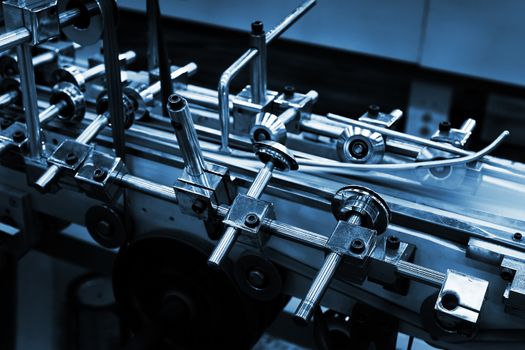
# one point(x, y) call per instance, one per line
point(274, 156)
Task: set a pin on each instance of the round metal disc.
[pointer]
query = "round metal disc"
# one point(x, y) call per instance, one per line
point(282, 158)
point(373, 210)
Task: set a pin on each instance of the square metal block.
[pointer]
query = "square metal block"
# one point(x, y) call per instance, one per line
point(40, 17)
point(66, 148)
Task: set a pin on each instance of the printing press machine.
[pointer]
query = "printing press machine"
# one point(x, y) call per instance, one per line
point(212, 209)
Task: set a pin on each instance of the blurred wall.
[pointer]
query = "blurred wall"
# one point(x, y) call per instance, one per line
point(481, 38)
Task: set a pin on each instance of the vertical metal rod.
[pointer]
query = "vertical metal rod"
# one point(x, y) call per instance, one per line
point(114, 84)
point(307, 307)
point(182, 122)
point(29, 98)
point(258, 74)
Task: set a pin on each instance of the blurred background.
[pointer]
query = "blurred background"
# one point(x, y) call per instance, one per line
point(434, 59)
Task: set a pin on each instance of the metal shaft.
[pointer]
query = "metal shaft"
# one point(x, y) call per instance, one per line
point(180, 116)
point(154, 89)
point(258, 75)
point(89, 133)
point(8, 98)
point(100, 69)
point(231, 233)
point(29, 97)
point(307, 307)
point(468, 125)
point(51, 112)
point(299, 12)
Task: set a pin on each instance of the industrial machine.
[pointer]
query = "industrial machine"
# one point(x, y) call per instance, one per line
point(219, 206)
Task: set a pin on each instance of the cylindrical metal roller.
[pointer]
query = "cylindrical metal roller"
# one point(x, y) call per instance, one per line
point(75, 103)
point(358, 145)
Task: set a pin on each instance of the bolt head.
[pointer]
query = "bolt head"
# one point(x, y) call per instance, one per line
point(373, 110)
point(392, 242)
point(99, 174)
point(289, 91)
point(199, 206)
point(357, 246)
point(252, 220)
point(517, 236)
point(18, 136)
point(71, 158)
point(445, 126)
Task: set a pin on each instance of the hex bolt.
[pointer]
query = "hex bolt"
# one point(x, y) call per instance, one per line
point(251, 220)
point(373, 110)
point(357, 246)
point(18, 136)
point(199, 206)
point(99, 174)
point(71, 158)
point(507, 274)
point(289, 91)
point(352, 204)
point(392, 242)
point(275, 156)
point(445, 126)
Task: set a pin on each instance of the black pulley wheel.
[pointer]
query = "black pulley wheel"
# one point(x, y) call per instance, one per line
point(150, 272)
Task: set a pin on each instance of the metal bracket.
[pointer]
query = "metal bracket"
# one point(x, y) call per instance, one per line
point(97, 174)
point(355, 261)
point(460, 301)
point(69, 155)
point(39, 17)
point(247, 214)
point(244, 110)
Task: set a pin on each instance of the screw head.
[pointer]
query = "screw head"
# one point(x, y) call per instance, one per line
point(358, 149)
point(357, 246)
point(251, 220)
point(289, 91)
point(507, 274)
point(373, 110)
point(517, 236)
point(393, 242)
point(99, 174)
point(445, 126)
point(199, 206)
point(18, 136)
point(71, 158)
